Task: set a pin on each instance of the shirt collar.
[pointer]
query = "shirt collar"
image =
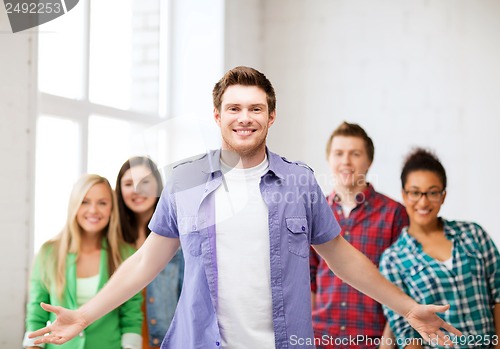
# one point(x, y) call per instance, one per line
point(276, 165)
point(411, 243)
point(448, 230)
point(408, 241)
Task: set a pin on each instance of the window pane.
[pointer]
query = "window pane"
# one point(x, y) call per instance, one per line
point(57, 169)
point(111, 142)
point(60, 54)
point(176, 139)
point(124, 55)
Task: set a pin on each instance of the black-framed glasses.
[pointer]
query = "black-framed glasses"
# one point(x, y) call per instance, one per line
point(433, 195)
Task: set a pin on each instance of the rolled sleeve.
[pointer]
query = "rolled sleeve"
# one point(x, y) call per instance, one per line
point(164, 220)
point(30, 342)
point(324, 226)
point(131, 341)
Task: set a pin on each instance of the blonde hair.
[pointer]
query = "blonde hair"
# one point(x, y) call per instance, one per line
point(69, 240)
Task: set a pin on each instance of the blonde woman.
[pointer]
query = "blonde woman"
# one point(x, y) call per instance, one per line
point(71, 268)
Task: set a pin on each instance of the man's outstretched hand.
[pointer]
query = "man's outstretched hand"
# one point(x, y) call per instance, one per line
point(68, 324)
point(423, 318)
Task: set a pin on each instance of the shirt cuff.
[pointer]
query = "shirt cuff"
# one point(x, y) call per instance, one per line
point(30, 342)
point(131, 341)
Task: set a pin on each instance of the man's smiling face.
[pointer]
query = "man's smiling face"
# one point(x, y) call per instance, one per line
point(244, 119)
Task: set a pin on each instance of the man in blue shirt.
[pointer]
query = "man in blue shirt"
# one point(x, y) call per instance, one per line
point(245, 218)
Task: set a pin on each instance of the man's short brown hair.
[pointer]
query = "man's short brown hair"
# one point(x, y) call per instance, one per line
point(352, 130)
point(247, 77)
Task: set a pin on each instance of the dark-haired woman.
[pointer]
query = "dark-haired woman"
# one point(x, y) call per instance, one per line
point(436, 261)
point(138, 188)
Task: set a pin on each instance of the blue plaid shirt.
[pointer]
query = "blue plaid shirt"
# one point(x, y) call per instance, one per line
point(471, 287)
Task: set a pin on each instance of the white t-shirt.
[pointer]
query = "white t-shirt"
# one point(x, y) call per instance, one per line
point(449, 262)
point(243, 260)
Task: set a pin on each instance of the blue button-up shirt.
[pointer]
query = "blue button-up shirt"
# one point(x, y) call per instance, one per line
point(298, 217)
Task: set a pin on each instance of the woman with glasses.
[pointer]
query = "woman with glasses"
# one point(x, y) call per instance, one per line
point(436, 261)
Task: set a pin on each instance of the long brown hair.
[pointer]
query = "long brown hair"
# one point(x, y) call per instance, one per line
point(128, 220)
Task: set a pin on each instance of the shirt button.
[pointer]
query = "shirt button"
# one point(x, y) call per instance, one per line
point(151, 299)
point(153, 321)
point(343, 304)
point(342, 328)
point(347, 233)
point(156, 341)
point(217, 343)
point(303, 228)
point(194, 227)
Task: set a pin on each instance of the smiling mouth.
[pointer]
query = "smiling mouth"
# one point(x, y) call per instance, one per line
point(244, 132)
point(138, 200)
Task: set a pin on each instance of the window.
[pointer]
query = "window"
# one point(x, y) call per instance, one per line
point(102, 84)
point(104, 71)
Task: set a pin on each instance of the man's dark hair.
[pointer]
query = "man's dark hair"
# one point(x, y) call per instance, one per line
point(247, 77)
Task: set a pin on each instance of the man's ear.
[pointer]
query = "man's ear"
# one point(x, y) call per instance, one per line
point(272, 118)
point(217, 116)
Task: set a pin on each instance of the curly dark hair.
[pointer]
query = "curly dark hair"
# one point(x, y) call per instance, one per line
point(421, 159)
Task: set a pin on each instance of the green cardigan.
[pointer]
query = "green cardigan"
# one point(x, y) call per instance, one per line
point(105, 332)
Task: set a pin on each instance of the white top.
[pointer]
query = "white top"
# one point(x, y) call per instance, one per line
point(449, 262)
point(347, 210)
point(243, 260)
point(86, 288)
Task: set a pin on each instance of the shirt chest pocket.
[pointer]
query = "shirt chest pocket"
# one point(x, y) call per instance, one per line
point(474, 264)
point(420, 282)
point(190, 235)
point(298, 236)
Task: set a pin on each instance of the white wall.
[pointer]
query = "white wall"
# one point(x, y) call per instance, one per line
point(197, 34)
point(17, 126)
point(412, 73)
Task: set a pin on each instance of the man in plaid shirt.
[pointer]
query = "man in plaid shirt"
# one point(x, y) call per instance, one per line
point(371, 222)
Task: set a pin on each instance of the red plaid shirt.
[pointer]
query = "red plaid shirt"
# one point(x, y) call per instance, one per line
point(341, 311)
